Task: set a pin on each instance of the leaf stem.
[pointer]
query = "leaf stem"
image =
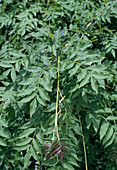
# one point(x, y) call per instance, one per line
point(7, 159)
point(84, 145)
point(57, 98)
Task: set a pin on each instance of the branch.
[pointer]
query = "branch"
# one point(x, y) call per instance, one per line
point(88, 25)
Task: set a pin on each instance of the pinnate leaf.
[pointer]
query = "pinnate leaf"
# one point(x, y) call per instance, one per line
point(27, 158)
point(33, 106)
point(43, 94)
point(13, 74)
point(94, 85)
point(23, 141)
point(26, 133)
point(2, 142)
point(112, 118)
point(103, 129)
point(67, 165)
point(108, 135)
point(4, 133)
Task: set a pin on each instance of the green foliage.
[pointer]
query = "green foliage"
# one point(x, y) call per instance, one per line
point(58, 84)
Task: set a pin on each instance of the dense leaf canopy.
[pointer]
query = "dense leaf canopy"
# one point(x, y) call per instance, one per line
point(58, 84)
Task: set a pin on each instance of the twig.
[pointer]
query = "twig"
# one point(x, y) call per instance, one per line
point(62, 97)
point(88, 25)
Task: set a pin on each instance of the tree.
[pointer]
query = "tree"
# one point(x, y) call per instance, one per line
point(58, 84)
